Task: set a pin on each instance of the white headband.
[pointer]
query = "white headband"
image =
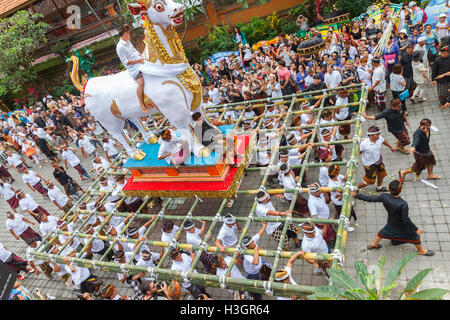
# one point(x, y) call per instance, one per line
point(261, 199)
point(373, 133)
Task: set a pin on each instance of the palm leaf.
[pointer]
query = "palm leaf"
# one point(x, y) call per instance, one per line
point(396, 270)
point(361, 272)
point(326, 293)
point(378, 272)
point(385, 291)
point(428, 294)
point(341, 278)
point(414, 283)
point(355, 294)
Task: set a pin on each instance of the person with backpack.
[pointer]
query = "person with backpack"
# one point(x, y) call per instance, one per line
point(419, 16)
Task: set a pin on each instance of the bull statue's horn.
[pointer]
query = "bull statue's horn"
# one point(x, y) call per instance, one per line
point(74, 74)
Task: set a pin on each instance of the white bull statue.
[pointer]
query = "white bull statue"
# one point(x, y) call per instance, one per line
point(171, 86)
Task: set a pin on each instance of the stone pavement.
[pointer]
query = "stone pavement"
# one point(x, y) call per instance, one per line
point(429, 210)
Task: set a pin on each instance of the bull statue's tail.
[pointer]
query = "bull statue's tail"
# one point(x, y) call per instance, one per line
point(75, 76)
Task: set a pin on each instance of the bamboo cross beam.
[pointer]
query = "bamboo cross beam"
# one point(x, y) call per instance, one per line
point(196, 278)
point(210, 218)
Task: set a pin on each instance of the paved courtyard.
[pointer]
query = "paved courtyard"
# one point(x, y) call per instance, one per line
point(429, 210)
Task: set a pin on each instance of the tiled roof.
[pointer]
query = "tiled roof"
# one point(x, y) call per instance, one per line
point(9, 6)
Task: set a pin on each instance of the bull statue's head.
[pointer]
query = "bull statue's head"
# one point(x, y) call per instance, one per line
point(162, 12)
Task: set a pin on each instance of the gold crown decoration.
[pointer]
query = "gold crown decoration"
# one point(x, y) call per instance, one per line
point(146, 3)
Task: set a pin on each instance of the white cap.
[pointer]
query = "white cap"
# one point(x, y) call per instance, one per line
point(421, 39)
point(403, 31)
point(443, 15)
point(412, 4)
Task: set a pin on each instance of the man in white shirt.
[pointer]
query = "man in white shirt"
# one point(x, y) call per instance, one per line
point(173, 149)
point(100, 164)
point(34, 262)
point(318, 207)
point(131, 59)
point(313, 242)
point(182, 262)
point(379, 84)
point(86, 147)
point(82, 277)
point(60, 199)
point(9, 195)
point(193, 236)
point(15, 161)
point(253, 263)
point(69, 156)
point(48, 224)
point(214, 94)
point(148, 259)
point(227, 237)
point(110, 148)
point(265, 208)
point(222, 263)
point(332, 78)
point(16, 263)
point(33, 181)
point(15, 223)
point(28, 204)
point(372, 160)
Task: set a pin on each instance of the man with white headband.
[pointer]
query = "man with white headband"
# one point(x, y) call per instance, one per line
point(285, 275)
point(313, 242)
point(372, 160)
point(319, 209)
point(253, 263)
point(227, 237)
point(264, 208)
point(289, 181)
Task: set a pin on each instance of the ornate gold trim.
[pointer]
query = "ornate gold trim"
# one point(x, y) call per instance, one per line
point(188, 78)
point(114, 108)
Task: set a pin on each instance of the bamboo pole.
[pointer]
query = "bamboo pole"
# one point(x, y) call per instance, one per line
point(339, 249)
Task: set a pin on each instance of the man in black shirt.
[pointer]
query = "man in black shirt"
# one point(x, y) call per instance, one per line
point(399, 227)
point(316, 86)
point(69, 185)
point(441, 76)
point(406, 62)
point(424, 158)
point(395, 119)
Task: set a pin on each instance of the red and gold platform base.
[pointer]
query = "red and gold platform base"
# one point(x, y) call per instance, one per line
point(201, 177)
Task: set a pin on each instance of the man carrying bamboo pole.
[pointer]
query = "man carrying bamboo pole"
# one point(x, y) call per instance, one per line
point(285, 275)
point(253, 263)
point(313, 242)
point(265, 208)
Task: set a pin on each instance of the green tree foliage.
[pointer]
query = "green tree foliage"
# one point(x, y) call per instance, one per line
point(370, 283)
point(65, 86)
point(20, 35)
point(355, 7)
point(218, 39)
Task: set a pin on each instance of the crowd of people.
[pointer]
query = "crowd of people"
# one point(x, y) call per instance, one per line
point(60, 132)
